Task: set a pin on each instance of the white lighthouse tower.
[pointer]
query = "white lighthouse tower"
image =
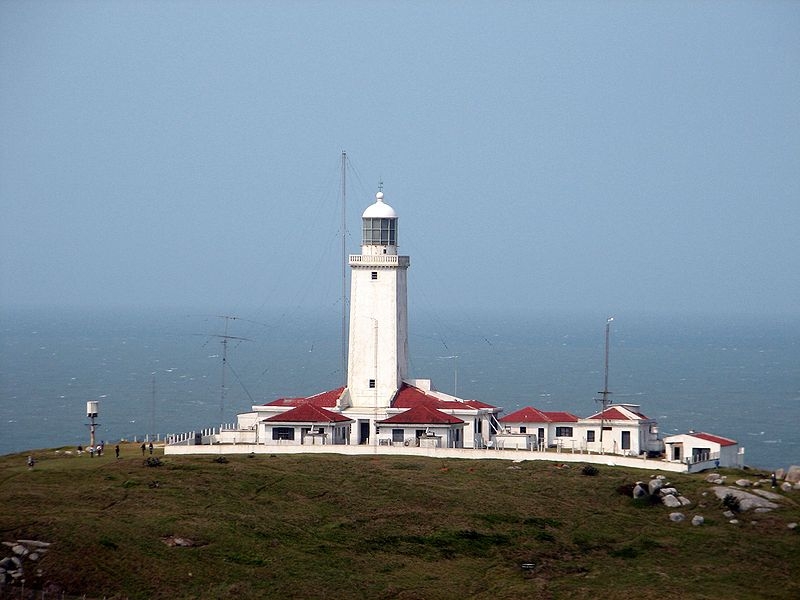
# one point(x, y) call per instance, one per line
point(378, 346)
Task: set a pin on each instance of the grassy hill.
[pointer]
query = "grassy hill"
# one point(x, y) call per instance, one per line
point(379, 527)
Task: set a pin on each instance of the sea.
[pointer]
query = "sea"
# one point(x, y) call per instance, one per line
point(158, 372)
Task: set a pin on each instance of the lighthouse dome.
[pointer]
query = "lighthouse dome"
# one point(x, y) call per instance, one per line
point(379, 210)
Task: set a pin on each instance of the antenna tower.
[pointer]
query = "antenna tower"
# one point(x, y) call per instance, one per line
point(344, 267)
point(605, 393)
point(224, 338)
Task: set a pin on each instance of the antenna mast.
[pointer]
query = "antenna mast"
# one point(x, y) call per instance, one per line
point(344, 266)
point(225, 337)
point(604, 399)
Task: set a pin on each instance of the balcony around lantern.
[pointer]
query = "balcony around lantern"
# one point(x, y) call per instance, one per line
point(378, 260)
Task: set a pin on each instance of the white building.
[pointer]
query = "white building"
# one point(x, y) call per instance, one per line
point(619, 429)
point(703, 450)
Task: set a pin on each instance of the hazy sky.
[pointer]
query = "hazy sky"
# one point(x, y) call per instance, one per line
point(603, 156)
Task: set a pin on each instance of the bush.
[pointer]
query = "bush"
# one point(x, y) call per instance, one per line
point(731, 502)
point(152, 461)
point(589, 470)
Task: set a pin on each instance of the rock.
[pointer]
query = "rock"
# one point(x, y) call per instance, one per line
point(747, 500)
point(792, 526)
point(744, 482)
point(698, 520)
point(780, 474)
point(728, 514)
point(734, 521)
point(793, 474)
point(768, 495)
point(671, 501)
point(639, 491)
point(712, 477)
point(786, 486)
point(20, 550)
point(7, 564)
point(676, 517)
point(35, 543)
point(666, 491)
point(654, 485)
point(33, 556)
point(761, 509)
point(684, 501)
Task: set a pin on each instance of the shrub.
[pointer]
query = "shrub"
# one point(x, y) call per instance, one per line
point(589, 470)
point(731, 502)
point(152, 461)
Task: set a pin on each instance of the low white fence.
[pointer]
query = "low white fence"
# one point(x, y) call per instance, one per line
point(463, 453)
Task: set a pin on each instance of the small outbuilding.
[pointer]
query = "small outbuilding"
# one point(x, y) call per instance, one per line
point(701, 450)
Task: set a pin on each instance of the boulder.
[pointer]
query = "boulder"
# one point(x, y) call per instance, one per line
point(768, 495)
point(684, 501)
point(676, 517)
point(654, 485)
point(667, 491)
point(786, 486)
point(780, 474)
point(734, 521)
point(639, 491)
point(744, 482)
point(728, 514)
point(671, 501)
point(792, 526)
point(747, 500)
point(697, 520)
point(712, 477)
point(793, 474)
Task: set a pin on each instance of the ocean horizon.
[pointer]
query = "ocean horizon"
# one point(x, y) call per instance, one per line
point(157, 372)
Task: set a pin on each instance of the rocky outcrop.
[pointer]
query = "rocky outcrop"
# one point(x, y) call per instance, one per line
point(20, 552)
point(747, 500)
point(793, 474)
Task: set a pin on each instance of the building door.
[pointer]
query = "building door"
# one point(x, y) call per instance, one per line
point(626, 440)
point(363, 432)
point(540, 437)
point(676, 453)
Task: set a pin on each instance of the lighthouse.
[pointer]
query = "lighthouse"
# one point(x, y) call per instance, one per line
point(378, 340)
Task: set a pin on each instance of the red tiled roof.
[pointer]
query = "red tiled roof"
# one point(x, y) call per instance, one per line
point(409, 396)
point(530, 414)
point(421, 415)
point(308, 413)
point(614, 414)
point(323, 400)
point(714, 438)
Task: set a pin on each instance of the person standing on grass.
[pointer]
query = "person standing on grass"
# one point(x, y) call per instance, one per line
point(31, 462)
point(116, 450)
point(151, 447)
point(143, 448)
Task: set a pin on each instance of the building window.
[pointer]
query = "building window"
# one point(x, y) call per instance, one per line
point(523, 429)
point(374, 274)
point(283, 433)
point(372, 384)
point(397, 435)
point(563, 431)
point(590, 435)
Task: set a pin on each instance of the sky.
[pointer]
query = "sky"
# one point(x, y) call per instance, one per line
point(580, 156)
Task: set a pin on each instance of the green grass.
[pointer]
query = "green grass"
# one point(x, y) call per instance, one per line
point(303, 526)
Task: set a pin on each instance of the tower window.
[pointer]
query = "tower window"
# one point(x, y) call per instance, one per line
point(372, 384)
point(374, 274)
